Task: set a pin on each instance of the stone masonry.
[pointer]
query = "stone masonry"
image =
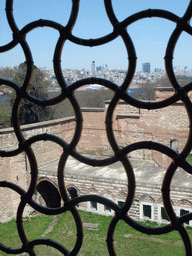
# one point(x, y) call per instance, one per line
point(130, 125)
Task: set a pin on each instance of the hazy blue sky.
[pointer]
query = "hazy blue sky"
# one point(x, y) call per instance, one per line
point(150, 36)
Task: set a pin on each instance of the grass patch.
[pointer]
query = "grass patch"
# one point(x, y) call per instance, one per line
point(127, 241)
point(33, 227)
point(189, 159)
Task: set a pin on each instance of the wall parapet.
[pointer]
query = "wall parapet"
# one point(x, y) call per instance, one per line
point(40, 124)
point(83, 109)
point(123, 116)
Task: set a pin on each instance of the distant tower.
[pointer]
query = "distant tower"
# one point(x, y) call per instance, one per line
point(146, 67)
point(93, 68)
point(105, 67)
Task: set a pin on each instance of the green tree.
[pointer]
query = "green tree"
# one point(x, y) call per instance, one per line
point(5, 113)
point(29, 112)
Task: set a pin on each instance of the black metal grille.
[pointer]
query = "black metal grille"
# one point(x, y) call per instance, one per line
point(120, 92)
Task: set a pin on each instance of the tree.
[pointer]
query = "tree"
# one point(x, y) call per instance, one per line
point(94, 99)
point(29, 112)
point(32, 113)
point(5, 113)
point(8, 73)
point(181, 79)
point(146, 92)
point(88, 99)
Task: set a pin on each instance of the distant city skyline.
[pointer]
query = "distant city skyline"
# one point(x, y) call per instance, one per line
point(150, 36)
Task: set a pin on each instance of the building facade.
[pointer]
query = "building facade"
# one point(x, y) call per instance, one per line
point(93, 67)
point(146, 67)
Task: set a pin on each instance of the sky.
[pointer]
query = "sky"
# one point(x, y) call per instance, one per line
point(150, 36)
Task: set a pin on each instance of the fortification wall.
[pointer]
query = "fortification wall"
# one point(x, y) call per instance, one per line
point(129, 124)
point(17, 169)
point(132, 125)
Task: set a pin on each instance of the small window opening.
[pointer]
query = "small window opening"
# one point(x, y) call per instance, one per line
point(107, 208)
point(120, 204)
point(183, 212)
point(147, 211)
point(164, 214)
point(73, 193)
point(94, 205)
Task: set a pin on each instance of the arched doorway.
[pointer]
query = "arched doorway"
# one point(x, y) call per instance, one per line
point(73, 193)
point(49, 193)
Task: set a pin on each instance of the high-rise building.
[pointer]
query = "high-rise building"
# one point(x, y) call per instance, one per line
point(93, 67)
point(146, 67)
point(157, 70)
point(99, 68)
point(105, 67)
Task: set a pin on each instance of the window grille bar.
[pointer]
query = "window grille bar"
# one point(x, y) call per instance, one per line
point(119, 154)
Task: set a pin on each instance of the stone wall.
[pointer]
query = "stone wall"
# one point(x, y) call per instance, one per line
point(146, 194)
point(129, 124)
point(17, 169)
point(162, 125)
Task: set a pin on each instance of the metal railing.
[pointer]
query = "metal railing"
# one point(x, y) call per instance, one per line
point(24, 145)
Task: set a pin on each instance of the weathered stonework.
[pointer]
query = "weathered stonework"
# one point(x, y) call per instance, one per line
point(130, 125)
point(116, 190)
point(17, 169)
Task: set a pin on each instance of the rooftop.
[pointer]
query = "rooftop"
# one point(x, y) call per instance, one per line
point(146, 173)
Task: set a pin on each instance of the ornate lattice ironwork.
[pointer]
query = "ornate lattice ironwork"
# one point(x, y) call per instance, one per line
point(120, 92)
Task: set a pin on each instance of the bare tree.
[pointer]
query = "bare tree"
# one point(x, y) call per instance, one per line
point(145, 92)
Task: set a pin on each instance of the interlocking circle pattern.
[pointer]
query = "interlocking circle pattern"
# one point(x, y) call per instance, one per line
point(120, 92)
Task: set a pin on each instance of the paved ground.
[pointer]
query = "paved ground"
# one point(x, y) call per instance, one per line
point(145, 172)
